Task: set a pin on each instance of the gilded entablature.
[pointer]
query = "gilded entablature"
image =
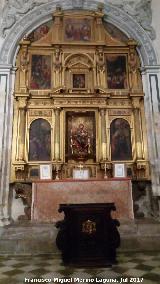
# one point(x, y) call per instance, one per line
point(79, 83)
point(40, 112)
point(117, 112)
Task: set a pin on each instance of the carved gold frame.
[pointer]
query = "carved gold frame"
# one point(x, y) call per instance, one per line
point(81, 110)
point(43, 53)
point(125, 54)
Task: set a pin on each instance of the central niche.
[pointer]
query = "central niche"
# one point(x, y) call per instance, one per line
point(80, 136)
point(79, 73)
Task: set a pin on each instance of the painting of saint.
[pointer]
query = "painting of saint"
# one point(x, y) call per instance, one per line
point(78, 81)
point(41, 72)
point(115, 32)
point(40, 32)
point(116, 72)
point(77, 30)
point(120, 135)
point(80, 128)
point(40, 140)
point(80, 140)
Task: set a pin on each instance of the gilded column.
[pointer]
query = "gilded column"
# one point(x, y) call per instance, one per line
point(103, 135)
point(22, 124)
point(137, 122)
point(57, 133)
point(107, 135)
point(24, 62)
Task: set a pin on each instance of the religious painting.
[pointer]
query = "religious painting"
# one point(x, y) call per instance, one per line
point(40, 140)
point(41, 72)
point(81, 136)
point(77, 30)
point(120, 137)
point(116, 72)
point(115, 32)
point(40, 32)
point(78, 81)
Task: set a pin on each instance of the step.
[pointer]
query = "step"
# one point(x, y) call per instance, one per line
point(33, 238)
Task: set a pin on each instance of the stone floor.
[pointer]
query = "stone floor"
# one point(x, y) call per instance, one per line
point(132, 268)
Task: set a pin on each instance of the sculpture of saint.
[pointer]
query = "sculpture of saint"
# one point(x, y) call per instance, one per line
point(80, 141)
point(133, 66)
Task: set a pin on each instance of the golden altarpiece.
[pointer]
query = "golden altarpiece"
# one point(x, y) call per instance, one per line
point(79, 101)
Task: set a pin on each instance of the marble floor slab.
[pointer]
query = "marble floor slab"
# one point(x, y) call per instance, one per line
point(131, 268)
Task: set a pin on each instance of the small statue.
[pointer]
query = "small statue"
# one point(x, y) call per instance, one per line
point(24, 61)
point(57, 63)
point(133, 67)
point(100, 62)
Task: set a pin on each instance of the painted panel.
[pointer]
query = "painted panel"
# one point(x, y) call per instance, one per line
point(77, 29)
point(81, 136)
point(41, 72)
point(116, 72)
point(40, 140)
point(121, 148)
point(78, 81)
point(40, 32)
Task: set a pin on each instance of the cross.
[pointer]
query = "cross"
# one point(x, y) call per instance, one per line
point(81, 167)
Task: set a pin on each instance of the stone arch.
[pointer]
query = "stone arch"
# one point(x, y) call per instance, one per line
point(42, 14)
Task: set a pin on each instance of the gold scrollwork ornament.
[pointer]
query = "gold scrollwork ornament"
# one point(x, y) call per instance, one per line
point(89, 227)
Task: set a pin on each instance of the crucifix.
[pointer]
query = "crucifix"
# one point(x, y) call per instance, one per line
point(80, 167)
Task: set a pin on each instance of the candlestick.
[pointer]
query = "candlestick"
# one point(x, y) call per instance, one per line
point(105, 171)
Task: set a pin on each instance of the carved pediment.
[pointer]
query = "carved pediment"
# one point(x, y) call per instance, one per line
point(75, 60)
point(79, 66)
point(85, 27)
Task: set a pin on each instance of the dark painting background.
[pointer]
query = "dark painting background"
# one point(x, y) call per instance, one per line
point(116, 72)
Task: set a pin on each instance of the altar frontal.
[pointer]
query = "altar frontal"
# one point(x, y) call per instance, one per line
point(48, 196)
